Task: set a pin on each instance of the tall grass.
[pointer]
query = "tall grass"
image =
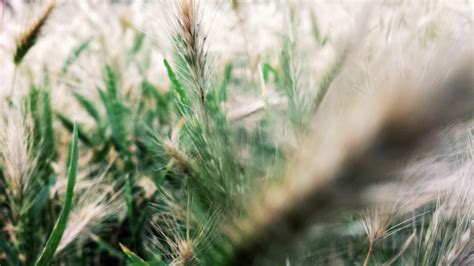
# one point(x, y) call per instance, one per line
point(245, 134)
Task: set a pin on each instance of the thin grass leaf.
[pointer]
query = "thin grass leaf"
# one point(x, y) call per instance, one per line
point(75, 54)
point(69, 125)
point(107, 247)
point(88, 106)
point(128, 196)
point(9, 251)
point(329, 78)
point(316, 31)
point(134, 258)
point(115, 111)
point(49, 141)
point(39, 105)
point(111, 81)
point(267, 69)
point(180, 93)
point(60, 225)
point(225, 83)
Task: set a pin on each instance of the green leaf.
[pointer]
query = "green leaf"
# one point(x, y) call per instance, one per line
point(76, 53)
point(180, 93)
point(69, 125)
point(138, 42)
point(267, 69)
point(88, 106)
point(60, 225)
point(111, 81)
point(227, 77)
point(134, 258)
point(128, 196)
point(115, 111)
point(9, 251)
point(329, 78)
point(107, 247)
point(47, 122)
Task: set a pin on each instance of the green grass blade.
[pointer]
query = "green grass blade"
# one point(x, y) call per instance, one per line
point(69, 125)
point(138, 42)
point(116, 111)
point(88, 106)
point(225, 82)
point(111, 81)
point(134, 258)
point(76, 53)
point(60, 226)
point(108, 248)
point(182, 98)
point(329, 78)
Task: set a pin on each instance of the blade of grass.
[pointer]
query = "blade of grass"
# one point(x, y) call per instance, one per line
point(76, 53)
point(88, 106)
point(107, 247)
point(134, 258)
point(69, 125)
point(58, 229)
point(9, 251)
point(180, 93)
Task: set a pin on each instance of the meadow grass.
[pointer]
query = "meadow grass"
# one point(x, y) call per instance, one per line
point(333, 143)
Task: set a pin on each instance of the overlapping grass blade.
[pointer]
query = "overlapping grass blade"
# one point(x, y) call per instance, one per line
point(75, 54)
point(58, 230)
point(134, 258)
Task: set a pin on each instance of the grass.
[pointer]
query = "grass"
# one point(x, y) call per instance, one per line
point(325, 147)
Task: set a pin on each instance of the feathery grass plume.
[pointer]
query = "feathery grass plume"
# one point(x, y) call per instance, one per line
point(94, 207)
point(177, 233)
point(376, 225)
point(116, 111)
point(191, 53)
point(446, 236)
point(338, 179)
point(17, 160)
point(20, 188)
point(29, 37)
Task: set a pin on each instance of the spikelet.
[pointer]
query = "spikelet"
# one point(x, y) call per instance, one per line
point(191, 49)
point(29, 37)
point(15, 153)
point(95, 205)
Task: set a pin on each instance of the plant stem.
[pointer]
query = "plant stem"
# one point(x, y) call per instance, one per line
point(369, 253)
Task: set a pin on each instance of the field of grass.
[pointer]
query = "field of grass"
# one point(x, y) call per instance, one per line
point(236, 132)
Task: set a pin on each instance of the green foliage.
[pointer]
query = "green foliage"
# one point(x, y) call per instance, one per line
point(135, 260)
point(60, 225)
point(182, 170)
point(116, 111)
point(75, 54)
point(182, 102)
